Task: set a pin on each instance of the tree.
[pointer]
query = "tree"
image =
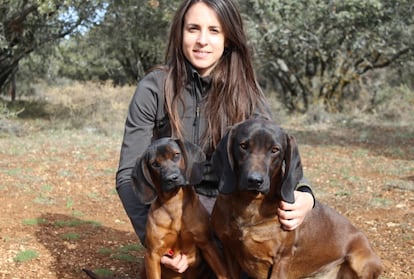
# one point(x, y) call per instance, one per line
point(313, 51)
point(134, 33)
point(28, 25)
point(130, 39)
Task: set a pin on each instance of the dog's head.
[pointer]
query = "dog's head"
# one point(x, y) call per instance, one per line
point(256, 155)
point(166, 165)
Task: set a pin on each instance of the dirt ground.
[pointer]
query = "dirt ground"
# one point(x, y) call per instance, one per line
point(58, 202)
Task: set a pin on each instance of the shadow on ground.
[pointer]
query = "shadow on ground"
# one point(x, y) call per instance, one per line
point(395, 142)
point(75, 244)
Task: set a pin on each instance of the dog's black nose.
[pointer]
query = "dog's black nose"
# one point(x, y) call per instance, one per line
point(172, 177)
point(255, 179)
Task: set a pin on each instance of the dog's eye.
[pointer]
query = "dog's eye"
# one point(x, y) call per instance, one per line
point(275, 149)
point(243, 145)
point(155, 164)
point(176, 157)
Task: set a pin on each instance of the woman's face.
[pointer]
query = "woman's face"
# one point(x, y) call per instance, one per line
point(203, 38)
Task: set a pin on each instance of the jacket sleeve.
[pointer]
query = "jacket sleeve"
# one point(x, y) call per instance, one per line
point(304, 186)
point(139, 124)
point(138, 134)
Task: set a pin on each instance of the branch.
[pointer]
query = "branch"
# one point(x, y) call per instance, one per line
point(376, 64)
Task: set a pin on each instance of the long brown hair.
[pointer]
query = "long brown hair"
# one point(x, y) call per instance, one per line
point(234, 94)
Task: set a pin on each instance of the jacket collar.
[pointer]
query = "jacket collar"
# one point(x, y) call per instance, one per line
point(203, 83)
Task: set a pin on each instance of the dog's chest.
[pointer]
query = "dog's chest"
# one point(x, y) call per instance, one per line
point(258, 236)
point(256, 232)
point(260, 243)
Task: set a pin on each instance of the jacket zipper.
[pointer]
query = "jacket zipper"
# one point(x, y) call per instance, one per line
point(196, 123)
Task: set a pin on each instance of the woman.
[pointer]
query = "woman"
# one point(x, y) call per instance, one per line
point(207, 84)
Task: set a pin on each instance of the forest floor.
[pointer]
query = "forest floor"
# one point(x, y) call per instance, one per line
point(60, 211)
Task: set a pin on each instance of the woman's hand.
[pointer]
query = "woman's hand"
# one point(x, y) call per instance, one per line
point(291, 215)
point(178, 263)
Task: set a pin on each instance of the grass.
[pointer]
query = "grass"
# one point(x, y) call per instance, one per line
point(105, 251)
point(14, 172)
point(126, 253)
point(34, 222)
point(69, 202)
point(129, 248)
point(381, 202)
point(70, 236)
point(75, 223)
point(101, 110)
point(94, 196)
point(44, 199)
point(60, 223)
point(25, 255)
point(125, 257)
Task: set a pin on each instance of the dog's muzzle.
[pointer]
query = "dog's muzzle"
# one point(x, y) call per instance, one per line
point(257, 182)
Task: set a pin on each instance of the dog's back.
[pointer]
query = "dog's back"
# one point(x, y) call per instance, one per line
point(328, 242)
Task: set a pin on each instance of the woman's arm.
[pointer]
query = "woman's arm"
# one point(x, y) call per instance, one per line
point(291, 215)
point(138, 133)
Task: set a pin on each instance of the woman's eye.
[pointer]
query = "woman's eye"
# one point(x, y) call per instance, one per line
point(192, 28)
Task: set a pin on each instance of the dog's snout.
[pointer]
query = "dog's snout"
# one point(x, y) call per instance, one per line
point(172, 177)
point(255, 179)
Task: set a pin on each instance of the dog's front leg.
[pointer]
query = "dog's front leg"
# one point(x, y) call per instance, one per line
point(153, 265)
point(283, 260)
point(232, 264)
point(280, 269)
point(213, 257)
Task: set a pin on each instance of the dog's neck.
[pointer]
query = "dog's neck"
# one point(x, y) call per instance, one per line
point(174, 201)
point(253, 207)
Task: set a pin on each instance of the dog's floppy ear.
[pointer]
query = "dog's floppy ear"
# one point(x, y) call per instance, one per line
point(141, 181)
point(223, 165)
point(194, 159)
point(293, 170)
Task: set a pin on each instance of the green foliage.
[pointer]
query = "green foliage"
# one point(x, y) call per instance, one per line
point(315, 52)
point(6, 113)
point(130, 247)
point(25, 255)
point(127, 253)
point(311, 52)
point(105, 251)
point(70, 236)
point(34, 222)
point(130, 40)
point(75, 223)
point(27, 26)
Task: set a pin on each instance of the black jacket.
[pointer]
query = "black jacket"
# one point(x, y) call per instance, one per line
point(147, 120)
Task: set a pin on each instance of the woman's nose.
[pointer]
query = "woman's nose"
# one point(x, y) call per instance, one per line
point(202, 38)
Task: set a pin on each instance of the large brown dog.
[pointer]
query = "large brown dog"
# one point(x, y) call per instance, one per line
point(258, 165)
point(177, 221)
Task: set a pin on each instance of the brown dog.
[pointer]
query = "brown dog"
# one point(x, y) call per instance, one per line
point(258, 165)
point(177, 221)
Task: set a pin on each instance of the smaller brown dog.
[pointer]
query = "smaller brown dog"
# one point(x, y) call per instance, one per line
point(177, 221)
point(259, 165)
